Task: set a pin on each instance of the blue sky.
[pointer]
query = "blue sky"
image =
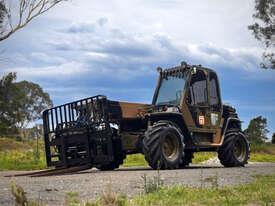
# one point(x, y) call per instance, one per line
point(83, 48)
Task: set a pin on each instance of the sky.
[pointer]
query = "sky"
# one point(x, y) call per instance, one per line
point(88, 47)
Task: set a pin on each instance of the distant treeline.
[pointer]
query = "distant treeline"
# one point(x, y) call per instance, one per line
point(257, 131)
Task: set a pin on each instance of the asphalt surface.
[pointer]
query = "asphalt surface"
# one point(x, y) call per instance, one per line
point(91, 183)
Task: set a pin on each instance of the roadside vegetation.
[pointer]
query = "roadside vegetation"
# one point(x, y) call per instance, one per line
point(19, 155)
point(262, 153)
point(259, 192)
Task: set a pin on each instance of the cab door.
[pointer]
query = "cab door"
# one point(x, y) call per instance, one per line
point(199, 107)
point(215, 106)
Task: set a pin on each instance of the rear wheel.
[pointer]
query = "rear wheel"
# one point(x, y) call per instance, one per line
point(162, 146)
point(235, 149)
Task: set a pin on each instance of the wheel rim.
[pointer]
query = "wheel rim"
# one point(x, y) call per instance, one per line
point(170, 147)
point(240, 149)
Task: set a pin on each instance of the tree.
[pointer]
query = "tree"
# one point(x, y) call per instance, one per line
point(9, 100)
point(20, 103)
point(2, 14)
point(16, 14)
point(273, 139)
point(257, 130)
point(264, 30)
point(33, 102)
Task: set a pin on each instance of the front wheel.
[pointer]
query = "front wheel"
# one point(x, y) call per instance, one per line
point(235, 150)
point(162, 146)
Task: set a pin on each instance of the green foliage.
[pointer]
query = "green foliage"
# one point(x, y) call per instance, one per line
point(109, 197)
point(134, 160)
point(263, 29)
point(3, 13)
point(72, 199)
point(9, 102)
point(22, 156)
point(273, 139)
point(20, 103)
point(20, 196)
point(265, 148)
point(7, 144)
point(257, 130)
point(261, 192)
point(262, 153)
point(152, 184)
point(262, 157)
point(137, 160)
point(203, 156)
point(34, 101)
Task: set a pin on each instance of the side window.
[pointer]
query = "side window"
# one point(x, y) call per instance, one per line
point(198, 89)
point(213, 90)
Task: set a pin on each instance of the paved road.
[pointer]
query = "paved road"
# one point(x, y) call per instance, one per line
point(90, 183)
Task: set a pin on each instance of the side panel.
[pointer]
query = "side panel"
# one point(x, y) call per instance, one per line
point(132, 124)
point(132, 110)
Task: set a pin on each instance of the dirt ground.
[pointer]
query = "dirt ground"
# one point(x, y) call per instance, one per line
point(90, 183)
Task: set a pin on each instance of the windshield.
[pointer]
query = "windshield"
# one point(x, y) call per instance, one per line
point(171, 90)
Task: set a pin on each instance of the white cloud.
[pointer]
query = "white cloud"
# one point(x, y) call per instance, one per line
point(46, 58)
point(58, 72)
point(221, 22)
point(106, 50)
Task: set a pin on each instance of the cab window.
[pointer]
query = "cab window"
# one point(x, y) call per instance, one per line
point(214, 90)
point(198, 89)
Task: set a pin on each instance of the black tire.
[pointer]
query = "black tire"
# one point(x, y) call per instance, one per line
point(186, 159)
point(235, 149)
point(162, 146)
point(119, 156)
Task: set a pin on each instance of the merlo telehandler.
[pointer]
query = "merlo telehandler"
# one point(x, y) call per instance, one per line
point(186, 116)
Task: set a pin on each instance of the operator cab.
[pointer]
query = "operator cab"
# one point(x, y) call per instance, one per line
point(194, 90)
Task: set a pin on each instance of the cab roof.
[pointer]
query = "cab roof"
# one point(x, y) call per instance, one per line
point(183, 67)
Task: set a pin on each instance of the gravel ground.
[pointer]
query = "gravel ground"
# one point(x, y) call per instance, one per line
point(90, 183)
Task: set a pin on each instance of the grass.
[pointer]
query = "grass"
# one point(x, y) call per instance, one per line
point(203, 156)
point(260, 192)
point(260, 157)
point(135, 160)
point(262, 153)
point(266, 148)
point(7, 144)
point(16, 155)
